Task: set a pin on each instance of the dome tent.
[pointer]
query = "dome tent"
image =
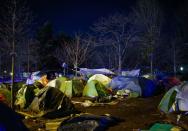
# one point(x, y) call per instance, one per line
point(176, 99)
point(97, 86)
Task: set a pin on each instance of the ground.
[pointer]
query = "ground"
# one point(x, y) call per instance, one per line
point(136, 113)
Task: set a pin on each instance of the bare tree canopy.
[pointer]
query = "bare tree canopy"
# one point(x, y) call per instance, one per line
point(149, 20)
point(14, 26)
point(76, 51)
point(117, 31)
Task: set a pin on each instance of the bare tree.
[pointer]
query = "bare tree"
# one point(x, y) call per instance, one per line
point(76, 51)
point(149, 17)
point(14, 22)
point(115, 31)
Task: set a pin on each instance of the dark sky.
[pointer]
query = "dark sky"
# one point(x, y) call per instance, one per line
point(76, 15)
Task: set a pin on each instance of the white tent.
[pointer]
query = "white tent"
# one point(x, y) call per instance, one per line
point(100, 78)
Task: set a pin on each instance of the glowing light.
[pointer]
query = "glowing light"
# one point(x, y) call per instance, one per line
point(181, 68)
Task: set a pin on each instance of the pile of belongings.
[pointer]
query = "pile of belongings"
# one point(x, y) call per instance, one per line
point(44, 100)
point(88, 122)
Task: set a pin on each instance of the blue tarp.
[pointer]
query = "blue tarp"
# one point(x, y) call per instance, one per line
point(120, 82)
point(147, 87)
point(86, 71)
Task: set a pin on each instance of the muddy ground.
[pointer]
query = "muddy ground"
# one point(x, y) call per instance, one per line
point(136, 113)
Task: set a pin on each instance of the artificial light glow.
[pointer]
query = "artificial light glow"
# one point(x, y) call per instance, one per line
point(181, 68)
point(11, 73)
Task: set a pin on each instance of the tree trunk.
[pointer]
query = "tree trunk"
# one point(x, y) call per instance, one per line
point(13, 56)
point(151, 64)
point(119, 60)
point(76, 69)
point(174, 58)
point(28, 57)
point(12, 81)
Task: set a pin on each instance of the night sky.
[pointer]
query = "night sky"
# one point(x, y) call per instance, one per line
point(76, 15)
point(71, 16)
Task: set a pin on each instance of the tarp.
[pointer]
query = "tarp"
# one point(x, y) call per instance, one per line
point(34, 76)
point(100, 78)
point(88, 122)
point(144, 87)
point(148, 87)
point(161, 127)
point(25, 96)
point(120, 82)
point(51, 102)
point(132, 73)
point(86, 71)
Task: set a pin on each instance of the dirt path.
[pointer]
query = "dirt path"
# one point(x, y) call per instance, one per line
point(137, 113)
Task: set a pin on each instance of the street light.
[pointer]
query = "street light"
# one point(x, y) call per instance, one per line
point(181, 68)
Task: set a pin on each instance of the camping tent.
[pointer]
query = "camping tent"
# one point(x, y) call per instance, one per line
point(95, 88)
point(100, 78)
point(144, 87)
point(68, 87)
point(176, 99)
point(51, 102)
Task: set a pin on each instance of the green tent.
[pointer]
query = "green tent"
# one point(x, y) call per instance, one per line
point(95, 89)
point(70, 87)
point(66, 88)
point(78, 87)
point(100, 78)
